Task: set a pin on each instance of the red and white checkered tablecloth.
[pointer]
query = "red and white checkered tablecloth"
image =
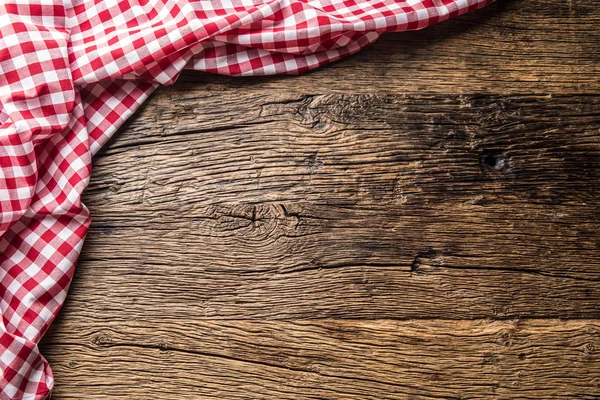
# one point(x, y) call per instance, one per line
point(72, 71)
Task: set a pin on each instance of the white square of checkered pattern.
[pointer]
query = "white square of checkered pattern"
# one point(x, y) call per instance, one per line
point(71, 73)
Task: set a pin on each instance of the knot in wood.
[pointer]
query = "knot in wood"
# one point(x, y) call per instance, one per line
point(494, 161)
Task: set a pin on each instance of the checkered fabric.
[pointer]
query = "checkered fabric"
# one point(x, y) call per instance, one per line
point(72, 71)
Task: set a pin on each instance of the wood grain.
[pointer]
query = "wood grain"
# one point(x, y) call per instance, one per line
point(509, 47)
point(332, 206)
point(325, 359)
point(419, 221)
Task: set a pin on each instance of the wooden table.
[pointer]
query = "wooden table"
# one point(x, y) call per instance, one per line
point(421, 221)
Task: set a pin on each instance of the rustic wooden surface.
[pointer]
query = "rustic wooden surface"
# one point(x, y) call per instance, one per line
point(418, 221)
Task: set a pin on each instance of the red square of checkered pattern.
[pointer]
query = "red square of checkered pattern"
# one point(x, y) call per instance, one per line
point(71, 72)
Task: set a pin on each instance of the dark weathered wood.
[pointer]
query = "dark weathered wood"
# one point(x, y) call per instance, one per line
point(176, 357)
point(511, 46)
point(190, 147)
point(280, 206)
point(375, 229)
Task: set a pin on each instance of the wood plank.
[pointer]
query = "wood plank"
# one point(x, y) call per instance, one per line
point(258, 146)
point(324, 359)
point(284, 206)
point(509, 47)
